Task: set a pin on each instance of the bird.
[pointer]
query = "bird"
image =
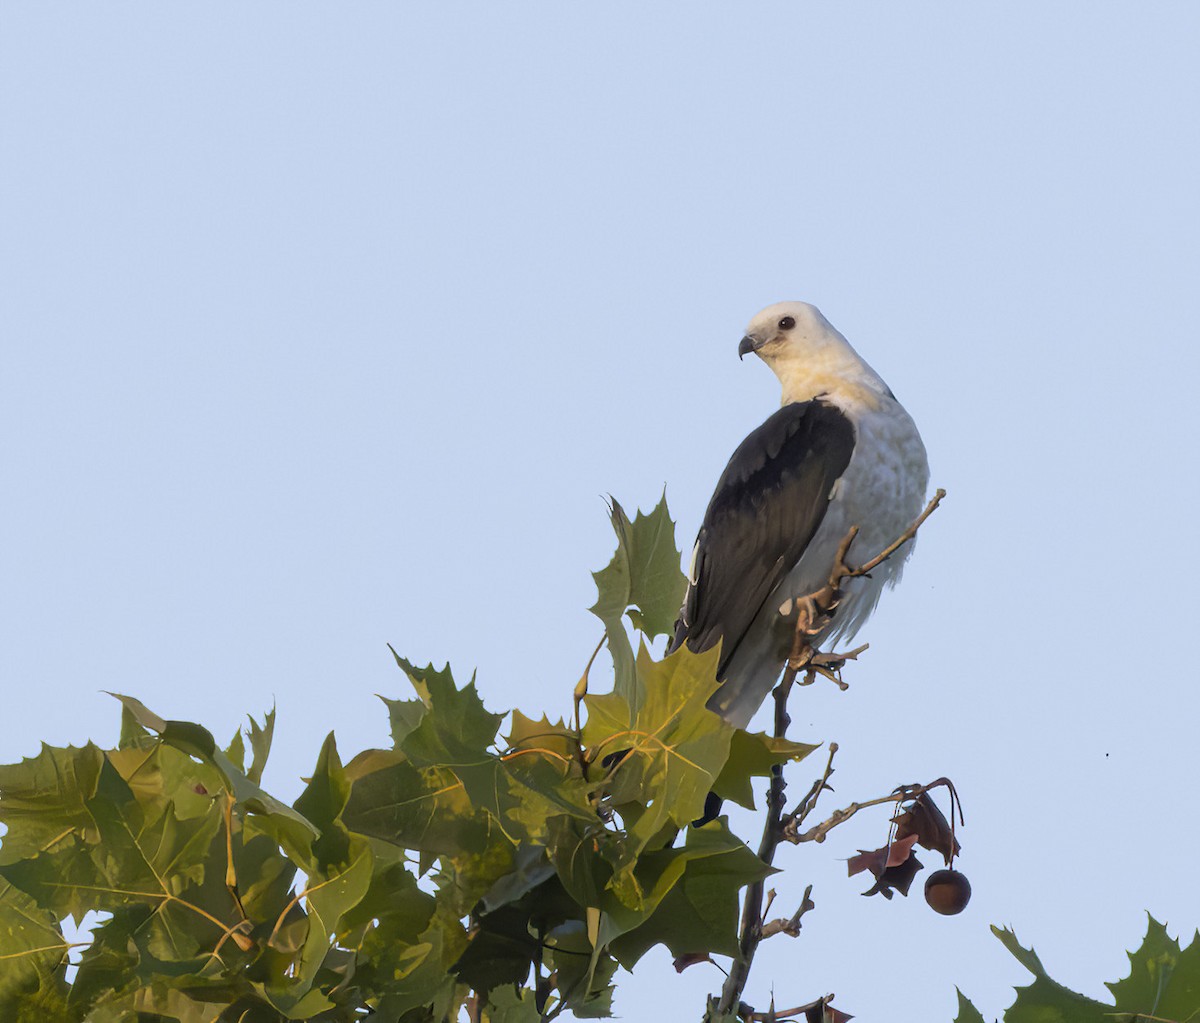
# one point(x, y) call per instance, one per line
point(841, 451)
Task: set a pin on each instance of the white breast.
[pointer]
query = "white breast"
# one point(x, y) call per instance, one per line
point(882, 491)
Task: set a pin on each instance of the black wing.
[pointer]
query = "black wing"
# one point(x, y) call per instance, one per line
point(768, 504)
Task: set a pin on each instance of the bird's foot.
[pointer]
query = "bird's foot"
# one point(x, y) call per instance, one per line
point(828, 665)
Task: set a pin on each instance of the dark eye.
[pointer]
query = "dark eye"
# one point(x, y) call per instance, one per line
point(787, 323)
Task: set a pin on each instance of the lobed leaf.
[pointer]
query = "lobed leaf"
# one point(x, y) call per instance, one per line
point(34, 959)
point(643, 580)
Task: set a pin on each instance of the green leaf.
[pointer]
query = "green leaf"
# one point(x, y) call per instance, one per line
point(584, 974)
point(967, 1013)
point(421, 809)
point(260, 745)
point(132, 733)
point(404, 715)
point(33, 953)
point(393, 905)
point(197, 741)
point(1164, 980)
point(322, 802)
point(142, 855)
point(531, 867)
point(552, 738)
point(674, 749)
point(642, 580)
point(512, 1005)
point(1045, 1000)
point(754, 755)
point(423, 976)
point(328, 897)
point(456, 734)
point(108, 969)
point(456, 731)
point(235, 751)
point(43, 800)
point(501, 951)
point(158, 774)
point(691, 896)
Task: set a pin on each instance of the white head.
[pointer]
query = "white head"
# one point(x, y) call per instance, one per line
point(806, 352)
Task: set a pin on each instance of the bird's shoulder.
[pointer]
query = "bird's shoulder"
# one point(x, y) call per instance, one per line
point(814, 432)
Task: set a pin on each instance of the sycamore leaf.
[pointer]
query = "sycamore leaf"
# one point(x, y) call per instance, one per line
point(878, 860)
point(34, 957)
point(967, 1013)
point(896, 878)
point(265, 875)
point(464, 879)
point(501, 951)
point(328, 896)
point(642, 580)
point(692, 897)
point(141, 856)
point(1163, 984)
point(424, 977)
point(393, 910)
point(197, 741)
point(892, 865)
point(108, 969)
point(512, 1005)
point(1046, 999)
point(1164, 980)
point(405, 716)
point(421, 809)
point(158, 774)
point(507, 940)
point(552, 739)
point(531, 867)
point(43, 800)
point(322, 803)
point(754, 755)
point(544, 777)
point(674, 749)
point(260, 745)
point(584, 974)
point(132, 733)
point(456, 734)
point(462, 725)
point(235, 751)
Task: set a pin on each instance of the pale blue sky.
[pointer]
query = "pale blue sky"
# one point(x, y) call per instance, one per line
point(326, 326)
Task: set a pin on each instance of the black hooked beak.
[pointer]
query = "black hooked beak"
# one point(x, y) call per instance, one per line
point(748, 344)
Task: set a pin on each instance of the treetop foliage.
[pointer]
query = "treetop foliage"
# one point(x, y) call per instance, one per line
point(460, 869)
point(510, 874)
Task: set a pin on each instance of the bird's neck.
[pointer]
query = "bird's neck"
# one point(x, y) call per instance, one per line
point(835, 372)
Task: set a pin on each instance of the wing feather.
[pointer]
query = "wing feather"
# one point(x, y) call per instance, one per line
point(767, 505)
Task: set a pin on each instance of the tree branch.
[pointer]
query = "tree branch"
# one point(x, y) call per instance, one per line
point(813, 614)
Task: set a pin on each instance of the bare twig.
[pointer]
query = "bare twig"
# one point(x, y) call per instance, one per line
point(902, 794)
point(903, 538)
point(809, 802)
point(818, 833)
point(790, 926)
point(783, 1014)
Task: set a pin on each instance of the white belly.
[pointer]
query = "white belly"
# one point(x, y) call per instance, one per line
point(882, 491)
